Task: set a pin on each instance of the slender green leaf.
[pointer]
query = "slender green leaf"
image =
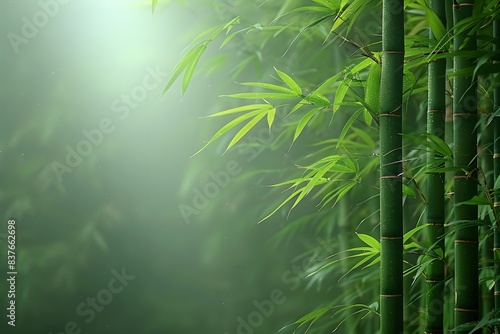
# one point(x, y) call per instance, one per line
point(261, 106)
point(247, 127)
point(372, 91)
point(411, 232)
point(181, 66)
point(288, 199)
point(289, 82)
point(311, 9)
point(317, 99)
point(351, 10)
point(304, 120)
point(431, 141)
point(476, 200)
point(369, 240)
point(262, 95)
point(437, 27)
point(270, 117)
point(362, 65)
point(348, 125)
point(328, 83)
point(327, 4)
point(230, 126)
point(188, 74)
point(269, 86)
point(314, 181)
point(340, 94)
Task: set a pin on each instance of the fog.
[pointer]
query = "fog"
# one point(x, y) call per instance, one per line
point(116, 227)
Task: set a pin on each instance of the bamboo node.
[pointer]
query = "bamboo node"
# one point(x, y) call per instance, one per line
point(395, 52)
point(391, 177)
point(435, 223)
point(439, 332)
point(496, 293)
point(463, 176)
point(466, 310)
point(496, 155)
point(496, 204)
point(460, 114)
point(433, 281)
point(391, 296)
point(435, 110)
point(465, 241)
point(391, 238)
point(390, 115)
point(464, 4)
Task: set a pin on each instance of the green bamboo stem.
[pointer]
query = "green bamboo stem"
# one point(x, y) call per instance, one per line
point(434, 302)
point(487, 301)
point(465, 180)
point(496, 167)
point(391, 213)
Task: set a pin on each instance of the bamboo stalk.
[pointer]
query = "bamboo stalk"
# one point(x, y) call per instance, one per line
point(434, 302)
point(391, 213)
point(465, 180)
point(496, 167)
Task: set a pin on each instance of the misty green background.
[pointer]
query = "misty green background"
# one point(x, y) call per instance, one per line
point(119, 208)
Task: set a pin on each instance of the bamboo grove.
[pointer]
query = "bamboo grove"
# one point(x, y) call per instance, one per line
point(388, 114)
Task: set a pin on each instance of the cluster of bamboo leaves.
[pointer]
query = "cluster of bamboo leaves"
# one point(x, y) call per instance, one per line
point(416, 101)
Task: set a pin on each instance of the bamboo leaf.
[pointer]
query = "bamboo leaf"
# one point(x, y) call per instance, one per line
point(437, 27)
point(421, 269)
point(188, 74)
point(444, 149)
point(304, 120)
point(476, 200)
point(299, 105)
point(327, 4)
point(230, 37)
point(153, 5)
point(270, 117)
point(364, 136)
point(262, 96)
point(367, 117)
point(434, 143)
point(314, 181)
point(408, 81)
point(442, 170)
point(328, 83)
point(369, 240)
point(289, 82)
point(411, 232)
point(362, 65)
point(372, 91)
point(364, 253)
point(260, 106)
point(317, 99)
point(340, 94)
point(341, 191)
point(295, 193)
point(181, 66)
point(348, 125)
point(230, 126)
point(189, 61)
point(408, 191)
point(360, 263)
point(311, 9)
point(497, 184)
point(269, 86)
point(311, 317)
point(355, 6)
point(247, 127)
